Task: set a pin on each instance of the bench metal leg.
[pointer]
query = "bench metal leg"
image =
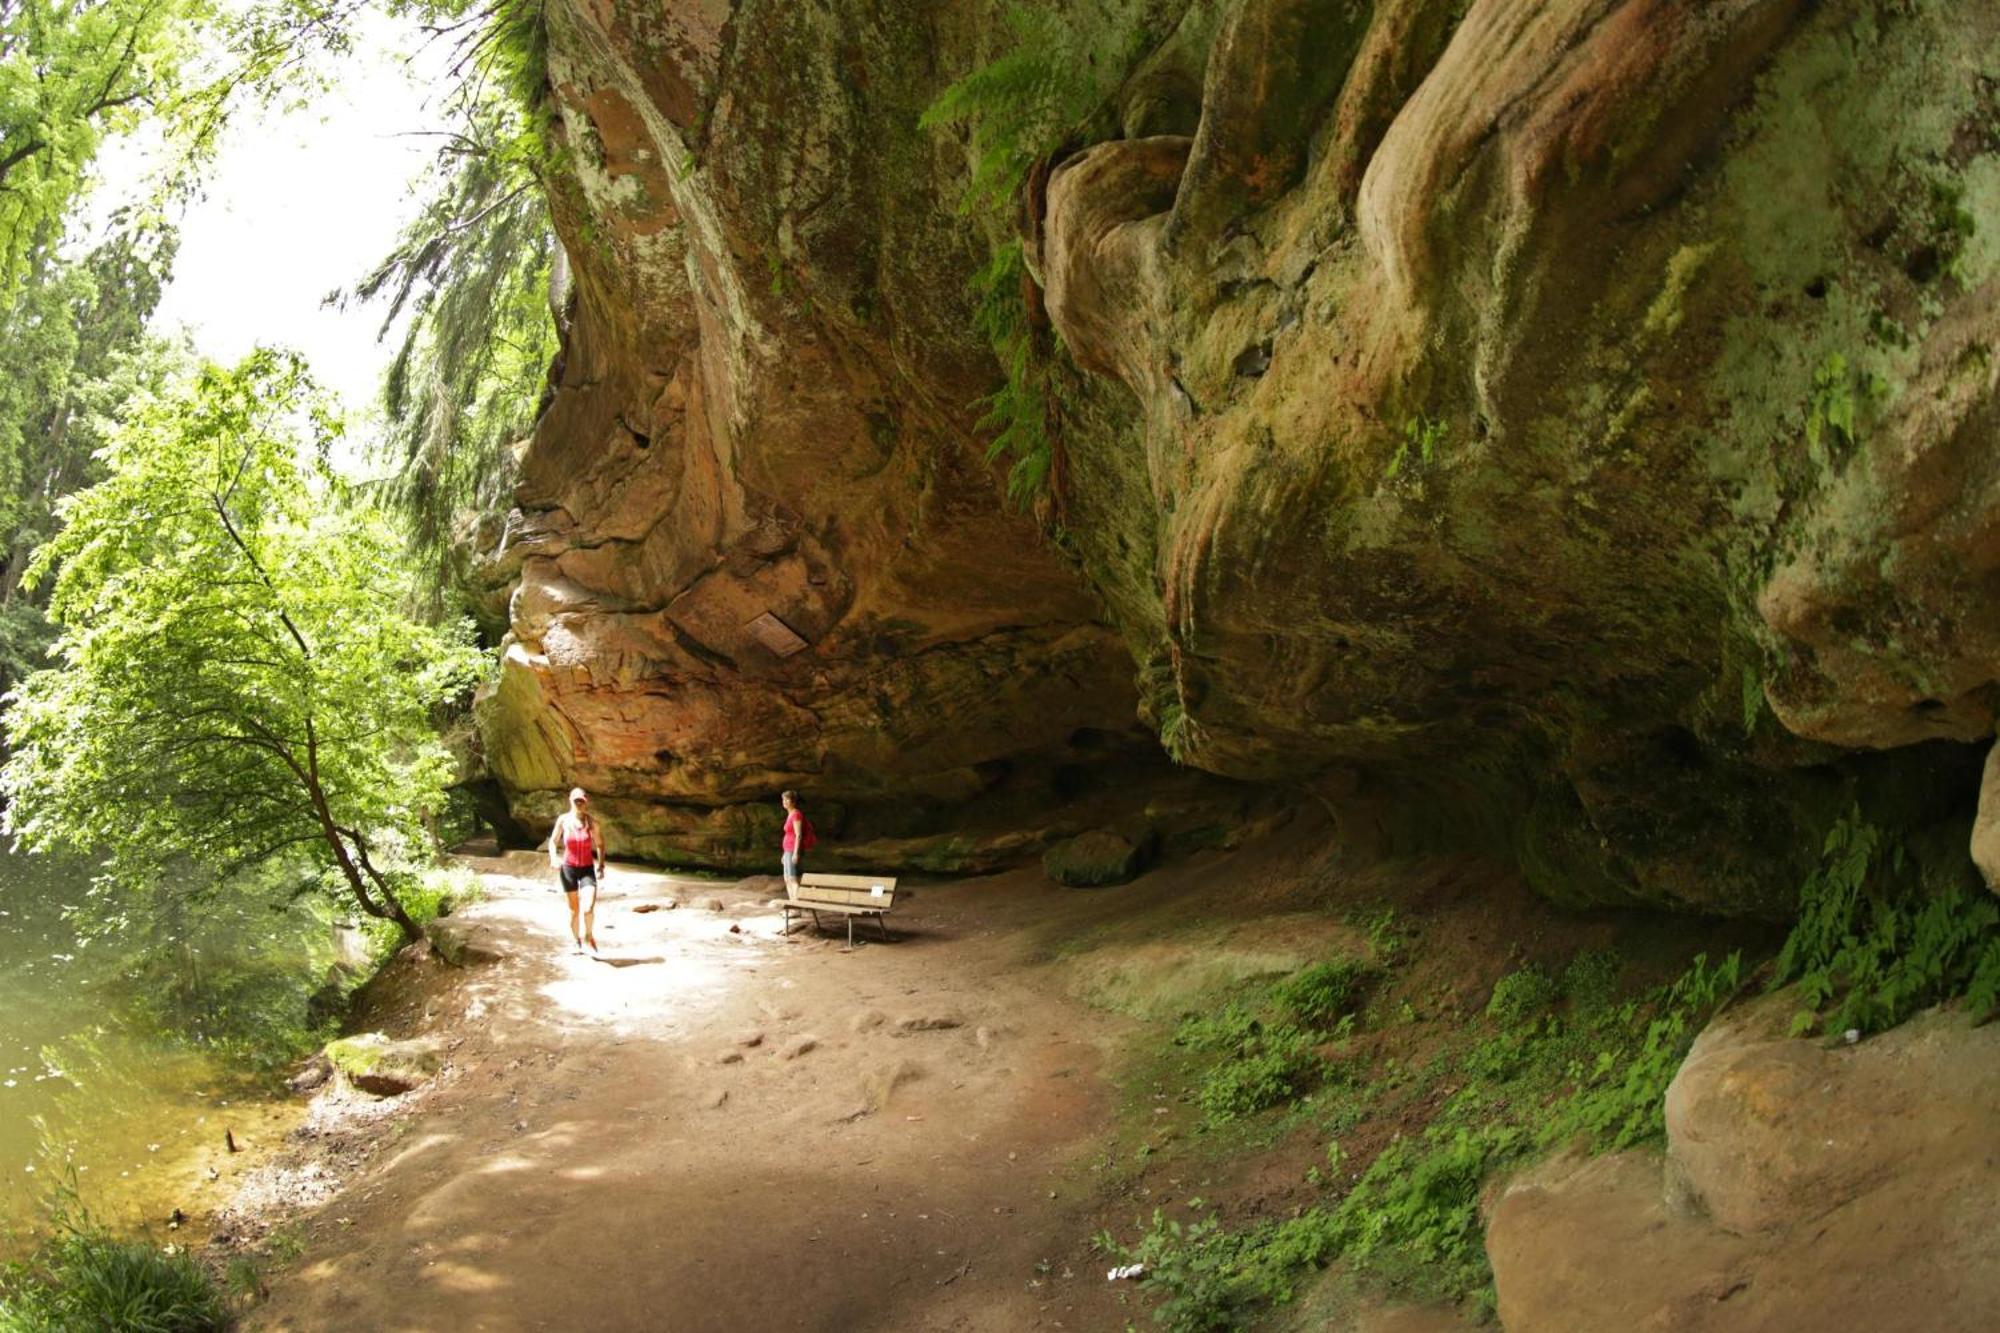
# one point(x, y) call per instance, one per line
point(882, 924)
point(850, 932)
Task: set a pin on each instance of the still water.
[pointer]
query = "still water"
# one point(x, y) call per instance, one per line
point(85, 1093)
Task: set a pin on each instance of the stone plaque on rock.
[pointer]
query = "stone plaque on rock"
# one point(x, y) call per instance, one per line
point(775, 634)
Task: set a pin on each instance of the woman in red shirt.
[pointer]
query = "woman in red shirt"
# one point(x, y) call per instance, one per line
point(795, 841)
point(576, 854)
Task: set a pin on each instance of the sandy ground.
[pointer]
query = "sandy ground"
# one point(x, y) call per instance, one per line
point(715, 1127)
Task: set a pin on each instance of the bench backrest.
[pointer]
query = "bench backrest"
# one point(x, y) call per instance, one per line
point(848, 890)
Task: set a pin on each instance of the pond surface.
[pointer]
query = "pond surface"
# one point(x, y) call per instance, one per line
point(84, 1088)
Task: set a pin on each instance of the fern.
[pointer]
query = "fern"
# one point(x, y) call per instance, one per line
point(1830, 411)
point(1873, 943)
point(1017, 412)
point(1057, 72)
point(1420, 434)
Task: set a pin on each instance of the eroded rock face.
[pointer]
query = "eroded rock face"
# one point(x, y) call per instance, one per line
point(1536, 404)
point(1803, 1187)
point(757, 545)
point(1564, 426)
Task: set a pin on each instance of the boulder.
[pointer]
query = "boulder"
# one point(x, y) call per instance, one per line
point(1986, 826)
point(463, 943)
point(1768, 1131)
point(1803, 1187)
point(386, 1067)
point(1092, 859)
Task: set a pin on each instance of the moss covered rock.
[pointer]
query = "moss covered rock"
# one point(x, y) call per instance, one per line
point(386, 1067)
point(1093, 859)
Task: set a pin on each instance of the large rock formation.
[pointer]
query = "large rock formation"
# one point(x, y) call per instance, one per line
point(1563, 425)
point(757, 546)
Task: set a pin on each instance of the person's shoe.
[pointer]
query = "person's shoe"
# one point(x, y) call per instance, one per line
point(591, 944)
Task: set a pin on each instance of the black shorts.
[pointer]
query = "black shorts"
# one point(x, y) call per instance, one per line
point(574, 876)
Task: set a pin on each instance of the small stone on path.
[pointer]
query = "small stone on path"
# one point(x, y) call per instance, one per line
point(715, 1098)
point(713, 904)
point(927, 1023)
point(730, 1058)
point(751, 1038)
point(797, 1047)
point(866, 1019)
point(879, 1084)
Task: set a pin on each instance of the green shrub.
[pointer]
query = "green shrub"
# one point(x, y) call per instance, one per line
point(427, 893)
point(1211, 1280)
point(84, 1279)
point(1417, 1207)
point(1520, 996)
point(1387, 935)
point(1591, 978)
point(1228, 1029)
point(1324, 993)
point(1597, 1072)
point(1276, 1067)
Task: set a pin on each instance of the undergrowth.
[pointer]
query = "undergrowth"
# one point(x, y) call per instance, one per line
point(1559, 1059)
point(1267, 1049)
point(84, 1278)
point(1016, 413)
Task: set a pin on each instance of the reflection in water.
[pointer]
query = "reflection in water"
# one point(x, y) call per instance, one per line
point(82, 1087)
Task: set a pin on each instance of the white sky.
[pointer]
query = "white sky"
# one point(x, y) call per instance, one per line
point(297, 205)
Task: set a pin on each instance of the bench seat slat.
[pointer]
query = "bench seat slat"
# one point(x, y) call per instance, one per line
point(814, 905)
point(847, 897)
point(816, 881)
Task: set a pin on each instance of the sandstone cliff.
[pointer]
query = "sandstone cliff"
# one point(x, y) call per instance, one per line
point(1566, 427)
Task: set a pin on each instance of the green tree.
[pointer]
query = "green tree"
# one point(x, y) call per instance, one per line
point(72, 73)
point(472, 290)
point(72, 346)
point(235, 677)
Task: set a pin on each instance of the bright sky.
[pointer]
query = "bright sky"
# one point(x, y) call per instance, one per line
point(301, 204)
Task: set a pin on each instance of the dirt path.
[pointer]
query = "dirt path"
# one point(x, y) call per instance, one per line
point(718, 1128)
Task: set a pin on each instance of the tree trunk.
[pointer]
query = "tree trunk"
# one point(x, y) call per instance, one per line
point(390, 908)
point(383, 887)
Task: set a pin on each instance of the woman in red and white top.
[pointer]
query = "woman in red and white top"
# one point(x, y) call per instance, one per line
point(576, 854)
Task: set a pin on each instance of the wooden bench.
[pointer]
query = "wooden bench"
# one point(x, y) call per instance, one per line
point(842, 895)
